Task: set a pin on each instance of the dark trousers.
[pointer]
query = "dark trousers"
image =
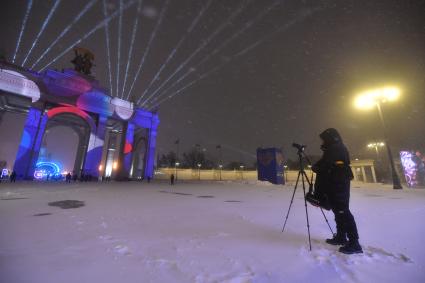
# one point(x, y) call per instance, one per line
point(345, 223)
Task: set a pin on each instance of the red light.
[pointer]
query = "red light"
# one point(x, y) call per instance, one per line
point(127, 147)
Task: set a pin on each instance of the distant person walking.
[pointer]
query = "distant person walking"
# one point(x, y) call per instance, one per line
point(13, 177)
point(172, 178)
point(333, 179)
point(68, 177)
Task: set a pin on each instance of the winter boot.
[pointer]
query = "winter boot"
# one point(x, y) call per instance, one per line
point(337, 240)
point(352, 247)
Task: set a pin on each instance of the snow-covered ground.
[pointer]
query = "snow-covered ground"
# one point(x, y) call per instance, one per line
point(201, 232)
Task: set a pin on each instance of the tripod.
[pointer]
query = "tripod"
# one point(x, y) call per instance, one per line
point(304, 178)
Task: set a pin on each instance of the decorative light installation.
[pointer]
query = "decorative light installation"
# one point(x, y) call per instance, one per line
point(413, 167)
point(46, 169)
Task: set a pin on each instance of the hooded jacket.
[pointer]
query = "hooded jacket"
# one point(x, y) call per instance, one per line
point(333, 169)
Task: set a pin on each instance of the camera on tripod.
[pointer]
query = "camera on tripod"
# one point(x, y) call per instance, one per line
point(309, 195)
point(300, 147)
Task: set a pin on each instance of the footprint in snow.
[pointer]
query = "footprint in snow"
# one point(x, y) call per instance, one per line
point(324, 254)
point(122, 250)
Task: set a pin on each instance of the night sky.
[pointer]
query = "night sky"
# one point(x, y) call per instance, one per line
point(312, 57)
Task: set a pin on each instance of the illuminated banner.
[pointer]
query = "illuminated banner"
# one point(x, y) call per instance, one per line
point(270, 165)
point(414, 168)
point(14, 82)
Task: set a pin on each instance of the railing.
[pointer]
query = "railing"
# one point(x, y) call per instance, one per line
point(217, 174)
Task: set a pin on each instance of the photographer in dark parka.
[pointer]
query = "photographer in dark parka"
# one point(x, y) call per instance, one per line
point(333, 182)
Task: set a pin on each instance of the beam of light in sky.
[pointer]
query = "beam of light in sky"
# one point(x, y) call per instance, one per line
point(24, 23)
point(173, 52)
point(213, 70)
point(65, 31)
point(133, 38)
point(153, 34)
point(301, 16)
point(93, 30)
point(43, 27)
point(108, 48)
point(235, 35)
point(197, 50)
point(119, 47)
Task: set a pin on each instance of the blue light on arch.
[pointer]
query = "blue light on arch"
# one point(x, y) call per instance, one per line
point(46, 168)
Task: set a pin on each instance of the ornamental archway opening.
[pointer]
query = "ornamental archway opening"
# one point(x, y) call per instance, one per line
point(64, 143)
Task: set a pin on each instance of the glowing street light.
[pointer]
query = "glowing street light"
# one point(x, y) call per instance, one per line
point(199, 171)
point(374, 98)
point(286, 172)
point(177, 164)
point(369, 99)
point(221, 169)
point(376, 146)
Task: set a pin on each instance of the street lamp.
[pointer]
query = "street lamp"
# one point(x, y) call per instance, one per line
point(242, 167)
point(199, 171)
point(221, 168)
point(177, 164)
point(376, 146)
point(374, 98)
point(286, 172)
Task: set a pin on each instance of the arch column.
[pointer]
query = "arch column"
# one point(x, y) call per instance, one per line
point(30, 143)
point(372, 168)
point(353, 170)
point(81, 150)
point(364, 174)
point(95, 148)
point(139, 146)
point(150, 153)
point(126, 152)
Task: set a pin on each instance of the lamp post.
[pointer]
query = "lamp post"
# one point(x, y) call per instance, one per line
point(177, 164)
point(221, 168)
point(242, 167)
point(374, 98)
point(286, 172)
point(376, 146)
point(199, 171)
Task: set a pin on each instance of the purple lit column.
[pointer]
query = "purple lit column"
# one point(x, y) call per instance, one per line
point(95, 148)
point(128, 150)
point(150, 157)
point(29, 147)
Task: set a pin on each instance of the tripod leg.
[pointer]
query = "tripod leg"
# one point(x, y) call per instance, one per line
point(292, 200)
point(326, 219)
point(304, 175)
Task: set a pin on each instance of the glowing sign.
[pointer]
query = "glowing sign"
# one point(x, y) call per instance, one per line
point(4, 173)
point(414, 168)
point(15, 82)
point(46, 169)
